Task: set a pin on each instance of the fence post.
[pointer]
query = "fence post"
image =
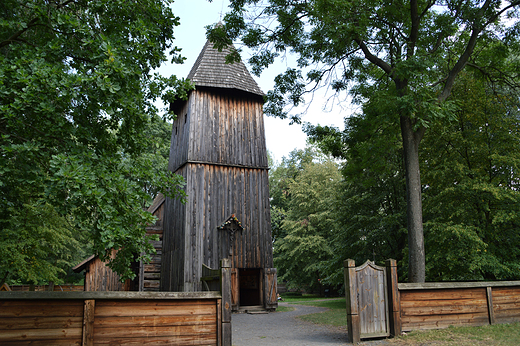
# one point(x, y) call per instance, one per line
point(88, 322)
point(354, 328)
point(393, 297)
point(491, 311)
point(225, 289)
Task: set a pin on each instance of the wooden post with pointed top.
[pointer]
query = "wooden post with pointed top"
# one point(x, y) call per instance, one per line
point(353, 325)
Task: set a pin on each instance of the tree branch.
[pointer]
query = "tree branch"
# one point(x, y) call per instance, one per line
point(374, 59)
point(15, 36)
point(414, 32)
point(463, 59)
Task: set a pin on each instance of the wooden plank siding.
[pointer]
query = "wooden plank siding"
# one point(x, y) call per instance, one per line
point(150, 273)
point(218, 146)
point(219, 127)
point(433, 309)
point(197, 241)
point(123, 322)
point(506, 304)
point(112, 318)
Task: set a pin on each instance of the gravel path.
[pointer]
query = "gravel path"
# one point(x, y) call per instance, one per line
point(282, 328)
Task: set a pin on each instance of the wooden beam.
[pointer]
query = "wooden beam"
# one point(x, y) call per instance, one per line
point(442, 285)
point(88, 322)
point(491, 311)
point(393, 297)
point(108, 295)
point(354, 329)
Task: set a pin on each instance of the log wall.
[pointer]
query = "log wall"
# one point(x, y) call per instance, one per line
point(112, 318)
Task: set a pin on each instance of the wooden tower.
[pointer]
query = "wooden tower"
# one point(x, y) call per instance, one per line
point(218, 146)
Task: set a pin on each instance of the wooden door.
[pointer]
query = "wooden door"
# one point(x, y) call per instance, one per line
point(270, 289)
point(235, 296)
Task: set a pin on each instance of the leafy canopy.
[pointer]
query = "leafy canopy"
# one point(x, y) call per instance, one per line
point(77, 93)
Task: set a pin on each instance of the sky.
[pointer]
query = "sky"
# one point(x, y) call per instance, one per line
point(190, 35)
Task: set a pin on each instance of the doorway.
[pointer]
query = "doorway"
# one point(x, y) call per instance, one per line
point(250, 286)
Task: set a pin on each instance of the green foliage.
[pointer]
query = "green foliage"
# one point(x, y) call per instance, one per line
point(77, 120)
point(470, 169)
point(471, 173)
point(303, 241)
point(371, 210)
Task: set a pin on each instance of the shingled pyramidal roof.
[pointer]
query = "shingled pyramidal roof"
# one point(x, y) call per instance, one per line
point(211, 70)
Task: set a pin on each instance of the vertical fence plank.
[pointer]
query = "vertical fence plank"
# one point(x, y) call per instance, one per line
point(393, 298)
point(352, 301)
point(88, 322)
point(225, 282)
point(491, 312)
point(219, 322)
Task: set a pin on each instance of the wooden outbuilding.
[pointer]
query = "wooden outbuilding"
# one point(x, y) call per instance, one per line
point(99, 277)
point(218, 146)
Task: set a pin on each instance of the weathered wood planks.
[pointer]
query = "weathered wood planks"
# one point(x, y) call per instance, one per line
point(440, 305)
point(195, 241)
point(431, 305)
point(41, 321)
point(113, 318)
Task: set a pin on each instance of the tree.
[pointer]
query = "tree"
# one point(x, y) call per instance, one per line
point(76, 97)
point(471, 173)
point(408, 54)
point(279, 179)
point(371, 208)
point(470, 169)
point(303, 242)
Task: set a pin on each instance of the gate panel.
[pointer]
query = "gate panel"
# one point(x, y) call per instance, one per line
point(271, 298)
point(372, 300)
point(367, 302)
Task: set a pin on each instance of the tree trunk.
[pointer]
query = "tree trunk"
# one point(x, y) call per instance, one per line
point(416, 254)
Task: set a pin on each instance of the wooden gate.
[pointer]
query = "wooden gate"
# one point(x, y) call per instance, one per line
point(367, 301)
point(271, 298)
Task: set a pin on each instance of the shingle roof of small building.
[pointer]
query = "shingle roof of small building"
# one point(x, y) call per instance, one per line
point(211, 70)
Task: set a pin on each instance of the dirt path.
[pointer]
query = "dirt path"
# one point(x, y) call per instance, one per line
point(284, 329)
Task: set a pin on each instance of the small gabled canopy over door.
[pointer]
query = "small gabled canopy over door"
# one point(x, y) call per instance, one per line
point(270, 288)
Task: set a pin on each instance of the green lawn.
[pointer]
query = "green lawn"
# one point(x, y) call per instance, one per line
point(499, 334)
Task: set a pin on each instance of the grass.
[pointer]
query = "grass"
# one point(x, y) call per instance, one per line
point(498, 334)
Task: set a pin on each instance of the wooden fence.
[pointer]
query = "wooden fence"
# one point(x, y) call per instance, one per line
point(117, 318)
point(433, 305)
point(439, 305)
